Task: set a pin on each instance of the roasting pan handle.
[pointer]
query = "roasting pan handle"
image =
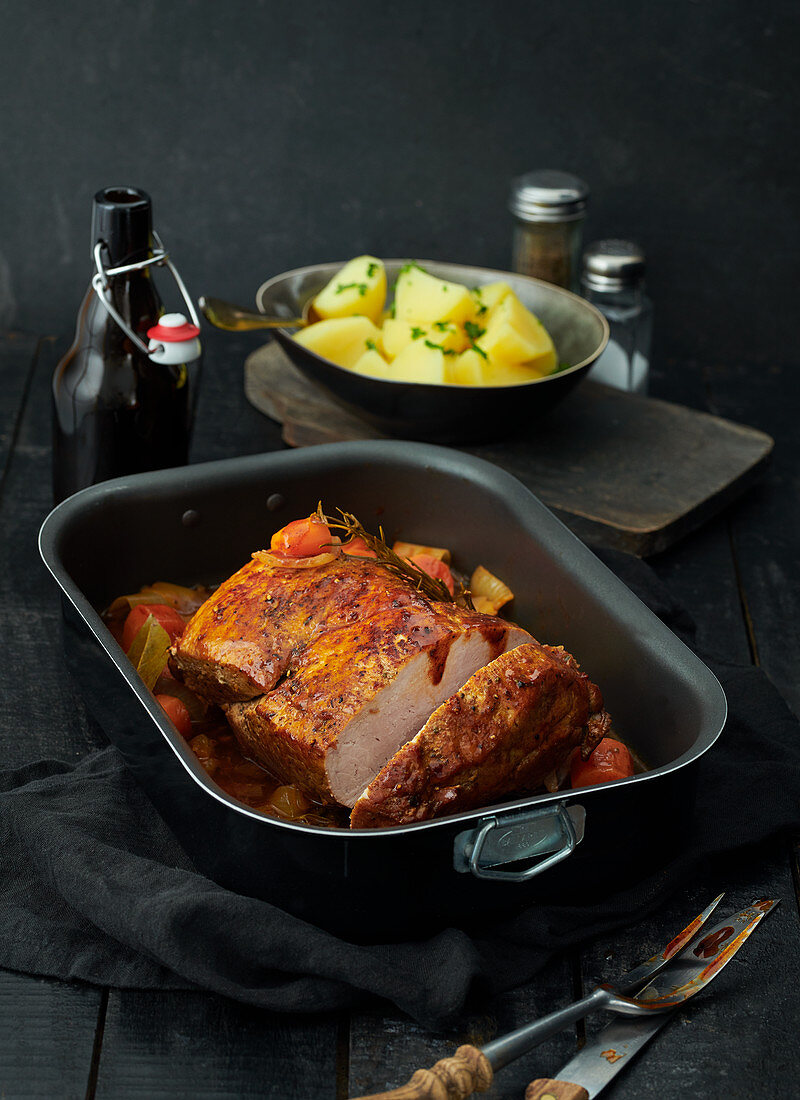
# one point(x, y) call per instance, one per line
point(547, 835)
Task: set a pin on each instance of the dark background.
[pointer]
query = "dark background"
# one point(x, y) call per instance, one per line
point(272, 135)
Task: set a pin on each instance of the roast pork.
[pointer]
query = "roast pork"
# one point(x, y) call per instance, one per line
point(345, 680)
point(511, 724)
point(354, 695)
point(241, 640)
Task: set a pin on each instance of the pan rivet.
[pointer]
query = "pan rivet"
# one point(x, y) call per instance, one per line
point(190, 518)
point(275, 501)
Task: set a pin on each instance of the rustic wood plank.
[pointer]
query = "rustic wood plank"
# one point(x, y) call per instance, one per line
point(47, 1035)
point(158, 1045)
point(766, 527)
point(18, 352)
point(33, 677)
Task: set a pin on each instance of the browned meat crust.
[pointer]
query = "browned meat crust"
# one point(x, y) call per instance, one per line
point(241, 640)
point(511, 724)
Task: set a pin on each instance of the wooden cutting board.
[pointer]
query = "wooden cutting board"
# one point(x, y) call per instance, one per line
point(621, 470)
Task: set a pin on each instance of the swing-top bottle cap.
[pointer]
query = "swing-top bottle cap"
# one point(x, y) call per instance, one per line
point(122, 219)
point(174, 340)
point(173, 328)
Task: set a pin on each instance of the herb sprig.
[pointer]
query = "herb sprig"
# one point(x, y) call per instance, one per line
point(429, 586)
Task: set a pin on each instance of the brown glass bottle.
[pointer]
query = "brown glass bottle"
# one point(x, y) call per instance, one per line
point(115, 411)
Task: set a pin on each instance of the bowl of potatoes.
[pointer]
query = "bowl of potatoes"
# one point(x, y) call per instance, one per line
point(439, 352)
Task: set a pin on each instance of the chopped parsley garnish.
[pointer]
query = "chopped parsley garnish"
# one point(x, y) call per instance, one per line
point(417, 332)
point(563, 365)
point(371, 269)
point(438, 347)
point(361, 287)
point(404, 270)
point(441, 325)
point(474, 332)
point(371, 345)
point(481, 310)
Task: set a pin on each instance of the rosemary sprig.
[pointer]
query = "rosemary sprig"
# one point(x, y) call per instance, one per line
point(399, 567)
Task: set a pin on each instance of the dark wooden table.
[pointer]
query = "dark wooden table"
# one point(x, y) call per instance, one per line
point(738, 576)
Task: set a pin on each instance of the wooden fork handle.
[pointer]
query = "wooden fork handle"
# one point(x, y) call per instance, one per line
point(454, 1078)
point(546, 1088)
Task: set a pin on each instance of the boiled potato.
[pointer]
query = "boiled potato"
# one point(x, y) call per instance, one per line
point(359, 288)
point(343, 340)
point(399, 334)
point(487, 298)
point(418, 362)
point(421, 298)
point(373, 364)
point(514, 335)
point(436, 331)
point(467, 368)
point(473, 369)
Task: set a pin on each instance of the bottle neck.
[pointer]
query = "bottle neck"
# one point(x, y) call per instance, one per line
point(122, 220)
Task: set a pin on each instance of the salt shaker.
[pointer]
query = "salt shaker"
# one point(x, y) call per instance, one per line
point(549, 209)
point(613, 280)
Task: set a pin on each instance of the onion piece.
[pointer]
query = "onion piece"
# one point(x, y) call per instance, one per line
point(489, 591)
point(267, 557)
point(411, 549)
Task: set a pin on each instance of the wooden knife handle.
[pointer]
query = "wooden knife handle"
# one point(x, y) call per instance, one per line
point(545, 1088)
point(453, 1078)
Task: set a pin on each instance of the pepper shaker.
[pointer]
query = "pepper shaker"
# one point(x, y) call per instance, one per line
point(549, 208)
point(613, 280)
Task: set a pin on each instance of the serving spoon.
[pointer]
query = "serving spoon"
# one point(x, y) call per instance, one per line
point(232, 318)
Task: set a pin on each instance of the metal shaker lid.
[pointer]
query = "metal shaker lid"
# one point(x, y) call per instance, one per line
point(548, 196)
point(612, 265)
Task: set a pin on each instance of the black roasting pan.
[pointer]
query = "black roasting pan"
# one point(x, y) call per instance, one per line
point(199, 524)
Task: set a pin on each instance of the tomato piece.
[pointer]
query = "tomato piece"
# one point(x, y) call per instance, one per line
point(177, 713)
point(435, 568)
point(302, 538)
point(610, 760)
point(164, 615)
point(358, 548)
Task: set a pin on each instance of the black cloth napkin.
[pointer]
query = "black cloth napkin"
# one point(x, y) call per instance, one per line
point(94, 886)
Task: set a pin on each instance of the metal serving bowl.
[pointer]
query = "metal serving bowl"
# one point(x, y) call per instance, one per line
point(446, 413)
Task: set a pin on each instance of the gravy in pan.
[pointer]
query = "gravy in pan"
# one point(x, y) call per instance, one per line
point(218, 751)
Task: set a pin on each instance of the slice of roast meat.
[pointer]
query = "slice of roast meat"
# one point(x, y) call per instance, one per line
point(354, 695)
point(240, 642)
point(502, 733)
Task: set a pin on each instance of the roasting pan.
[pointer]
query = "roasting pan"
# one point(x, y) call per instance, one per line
point(199, 524)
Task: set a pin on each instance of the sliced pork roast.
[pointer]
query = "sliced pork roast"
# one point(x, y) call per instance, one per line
point(240, 642)
point(355, 694)
point(345, 680)
point(509, 726)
